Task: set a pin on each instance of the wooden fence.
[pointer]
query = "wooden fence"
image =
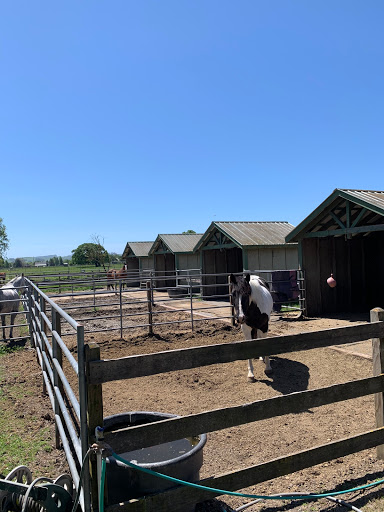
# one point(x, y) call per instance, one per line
point(101, 371)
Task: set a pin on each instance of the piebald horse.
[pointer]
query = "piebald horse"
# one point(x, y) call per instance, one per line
point(10, 301)
point(253, 307)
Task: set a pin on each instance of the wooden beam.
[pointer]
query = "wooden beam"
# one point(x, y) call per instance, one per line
point(337, 220)
point(183, 359)
point(164, 431)
point(346, 231)
point(182, 497)
point(358, 218)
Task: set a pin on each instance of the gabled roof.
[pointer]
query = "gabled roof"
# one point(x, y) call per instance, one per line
point(178, 243)
point(345, 211)
point(249, 234)
point(138, 249)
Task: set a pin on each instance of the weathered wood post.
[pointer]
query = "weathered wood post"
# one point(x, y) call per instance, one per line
point(231, 303)
point(95, 416)
point(121, 309)
point(191, 301)
point(377, 315)
point(149, 303)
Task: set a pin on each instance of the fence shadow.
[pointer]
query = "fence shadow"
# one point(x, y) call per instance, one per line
point(324, 505)
point(288, 376)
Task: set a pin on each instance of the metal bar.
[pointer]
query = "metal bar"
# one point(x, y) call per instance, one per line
point(83, 411)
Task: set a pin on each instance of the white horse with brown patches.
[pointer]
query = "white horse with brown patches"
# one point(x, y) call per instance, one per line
point(253, 307)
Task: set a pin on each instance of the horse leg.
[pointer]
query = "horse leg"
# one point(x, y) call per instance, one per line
point(268, 369)
point(13, 316)
point(247, 331)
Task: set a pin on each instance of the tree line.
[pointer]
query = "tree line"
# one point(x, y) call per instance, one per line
point(92, 253)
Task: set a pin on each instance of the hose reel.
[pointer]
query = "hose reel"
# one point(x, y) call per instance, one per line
point(20, 493)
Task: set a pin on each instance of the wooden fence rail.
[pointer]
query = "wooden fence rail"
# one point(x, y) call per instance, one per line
point(100, 371)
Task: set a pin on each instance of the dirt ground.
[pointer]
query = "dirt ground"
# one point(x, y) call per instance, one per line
point(202, 389)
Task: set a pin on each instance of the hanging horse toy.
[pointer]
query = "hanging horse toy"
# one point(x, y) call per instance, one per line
point(253, 304)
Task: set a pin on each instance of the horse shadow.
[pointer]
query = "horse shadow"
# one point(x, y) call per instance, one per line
point(288, 376)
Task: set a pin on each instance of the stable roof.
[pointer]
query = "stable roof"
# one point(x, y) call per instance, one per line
point(249, 234)
point(137, 249)
point(344, 212)
point(177, 243)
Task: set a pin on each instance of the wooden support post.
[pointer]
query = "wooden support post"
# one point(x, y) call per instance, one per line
point(149, 302)
point(95, 416)
point(377, 315)
point(231, 303)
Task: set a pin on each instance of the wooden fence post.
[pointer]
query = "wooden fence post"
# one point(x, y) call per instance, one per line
point(95, 416)
point(149, 302)
point(231, 303)
point(377, 315)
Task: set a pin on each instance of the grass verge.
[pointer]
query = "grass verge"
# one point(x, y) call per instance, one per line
point(19, 443)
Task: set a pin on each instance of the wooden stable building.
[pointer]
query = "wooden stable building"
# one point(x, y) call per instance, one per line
point(173, 254)
point(136, 257)
point(236, 246)
point(344, 236)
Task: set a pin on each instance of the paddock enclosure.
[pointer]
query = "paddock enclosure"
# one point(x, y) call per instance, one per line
point(320, 413)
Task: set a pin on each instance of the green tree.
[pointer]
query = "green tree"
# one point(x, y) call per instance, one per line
point(90, 254)
point(60, 261)
point(18, 263)
point(4, 242)
point(189, 232)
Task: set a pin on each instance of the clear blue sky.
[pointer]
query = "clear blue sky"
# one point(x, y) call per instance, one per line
point(127, 119)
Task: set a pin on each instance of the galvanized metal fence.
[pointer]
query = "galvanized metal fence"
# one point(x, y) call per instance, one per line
point(69, 401)
point(145, 303)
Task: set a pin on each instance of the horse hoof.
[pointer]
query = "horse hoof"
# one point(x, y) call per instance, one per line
point(268, 372)
point(251, 379)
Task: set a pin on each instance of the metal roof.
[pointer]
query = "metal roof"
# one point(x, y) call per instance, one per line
point(177, 243)
point(138, 249)
point(247, 234)
point(345, 210)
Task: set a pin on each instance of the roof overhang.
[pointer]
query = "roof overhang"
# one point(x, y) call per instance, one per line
point(342, 213)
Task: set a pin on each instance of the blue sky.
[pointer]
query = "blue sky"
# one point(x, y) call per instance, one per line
point(127, 119)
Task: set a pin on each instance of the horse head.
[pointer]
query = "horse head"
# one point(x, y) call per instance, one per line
point(241, 292)
point(20, 284)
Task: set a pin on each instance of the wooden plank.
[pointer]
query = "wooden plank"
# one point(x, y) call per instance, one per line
point(132, 438)
point(347, 231)
point(183, 359)
point(95, 417)
point(181, 497)
point(377, 314)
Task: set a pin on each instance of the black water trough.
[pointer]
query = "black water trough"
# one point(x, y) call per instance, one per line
point(181, 459)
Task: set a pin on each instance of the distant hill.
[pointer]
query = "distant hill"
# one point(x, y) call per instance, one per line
point(32, 259)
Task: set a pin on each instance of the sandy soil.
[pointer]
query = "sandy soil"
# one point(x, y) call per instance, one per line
point(193, 391)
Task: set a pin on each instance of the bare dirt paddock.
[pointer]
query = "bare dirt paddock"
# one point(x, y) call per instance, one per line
point(197, 390)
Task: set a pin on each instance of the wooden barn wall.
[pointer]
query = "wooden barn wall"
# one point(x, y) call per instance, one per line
point(355, 264)
point(188, 261)
point(165, 265)
point(132, 263)
point(279, 258)
point(133, 267)
point(147, 263)
point(220, 261)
